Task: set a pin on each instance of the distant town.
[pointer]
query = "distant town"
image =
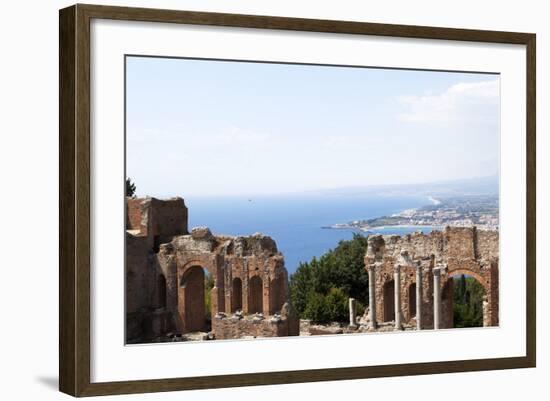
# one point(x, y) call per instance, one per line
point(457, 211)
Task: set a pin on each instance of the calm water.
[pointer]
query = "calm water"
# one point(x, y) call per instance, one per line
point(295, 222)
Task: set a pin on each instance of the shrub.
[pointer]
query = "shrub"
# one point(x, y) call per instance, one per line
point(329, 281)
point(316, 308)
point(337, 305)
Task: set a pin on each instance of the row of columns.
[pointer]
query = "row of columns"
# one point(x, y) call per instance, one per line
point(397, 297)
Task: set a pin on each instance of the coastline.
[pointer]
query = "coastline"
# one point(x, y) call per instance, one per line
point(405, 226)
point(402, 213)
point(436, 215)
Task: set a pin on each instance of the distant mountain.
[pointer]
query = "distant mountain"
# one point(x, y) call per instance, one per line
point(471, 186)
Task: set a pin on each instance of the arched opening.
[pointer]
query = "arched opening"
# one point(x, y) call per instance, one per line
point(389, 301)
point(276, 294)
point(412, 300)
point(255, 295)
point(197, 285)
point(465, 294)
point(208, 285)
point(161, 291)
point(156, 243)
point(237, 295)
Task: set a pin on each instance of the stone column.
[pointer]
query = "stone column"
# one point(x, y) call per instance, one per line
point(397, 295)
point(437, 297)
point(352, 312)
point(266, 295)
point(419, 297)
point(372, 296)
point(228, 281)
point(486, 311)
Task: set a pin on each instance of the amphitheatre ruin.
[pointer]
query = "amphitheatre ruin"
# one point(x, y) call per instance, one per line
point(168, 266)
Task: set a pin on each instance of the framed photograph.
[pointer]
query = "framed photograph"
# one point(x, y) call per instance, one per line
point(250, 200)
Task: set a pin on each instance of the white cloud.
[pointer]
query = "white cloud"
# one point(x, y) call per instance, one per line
point(461, 103)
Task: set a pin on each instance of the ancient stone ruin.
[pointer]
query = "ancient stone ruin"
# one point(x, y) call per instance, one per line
point(196, 285)
point(411, 277)
point(166, 267)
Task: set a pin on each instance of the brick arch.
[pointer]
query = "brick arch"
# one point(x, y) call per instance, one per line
point(236, 294)
point(191, 294)
point(205, 264)
point(383, 278)
point(481, 279)
point(277, 293)
point(191, 298)
point(161, 290)
point(255, 294)
point(488, 280)
point(411, 299)
point(388, 300)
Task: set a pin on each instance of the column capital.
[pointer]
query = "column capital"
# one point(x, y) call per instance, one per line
point(397, 268)
point(372, 292)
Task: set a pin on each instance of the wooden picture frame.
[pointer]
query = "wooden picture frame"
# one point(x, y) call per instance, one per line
point(75, 208)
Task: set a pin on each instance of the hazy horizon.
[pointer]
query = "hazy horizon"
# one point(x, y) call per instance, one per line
point(213, 128)
point(365, 189)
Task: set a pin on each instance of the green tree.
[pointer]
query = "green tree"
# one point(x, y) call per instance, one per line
point(326, 308)
point(320, 289)
point(130, 188)
point(316, 308)
point(301, 285)
point(208, 285)
point(467, 302)
point(337, 305)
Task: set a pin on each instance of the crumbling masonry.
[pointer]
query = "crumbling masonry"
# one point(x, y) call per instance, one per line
point(165, 278)
point(410, 277)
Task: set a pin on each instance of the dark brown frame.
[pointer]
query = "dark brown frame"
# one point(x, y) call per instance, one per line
point(74, 199)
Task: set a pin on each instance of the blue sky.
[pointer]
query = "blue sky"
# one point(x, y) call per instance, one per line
point(214, 128)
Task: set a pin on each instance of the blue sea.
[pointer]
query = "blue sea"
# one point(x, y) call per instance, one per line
point(295, 222)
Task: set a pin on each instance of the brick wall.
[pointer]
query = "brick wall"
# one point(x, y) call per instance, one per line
point(461, 250)
point(226, 327)
point(133, 214)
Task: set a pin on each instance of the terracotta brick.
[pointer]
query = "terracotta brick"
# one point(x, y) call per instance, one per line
point(461, 250)
point(164, 260)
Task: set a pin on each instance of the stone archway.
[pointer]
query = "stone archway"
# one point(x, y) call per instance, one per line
point(237, 295)
point(277, 294)
point(389, 301)
point(485, 282)
point(255, 295)
point(411, 299)
point(200, 292)
point(464, 300)
point(192, 306)
point(161, 291)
